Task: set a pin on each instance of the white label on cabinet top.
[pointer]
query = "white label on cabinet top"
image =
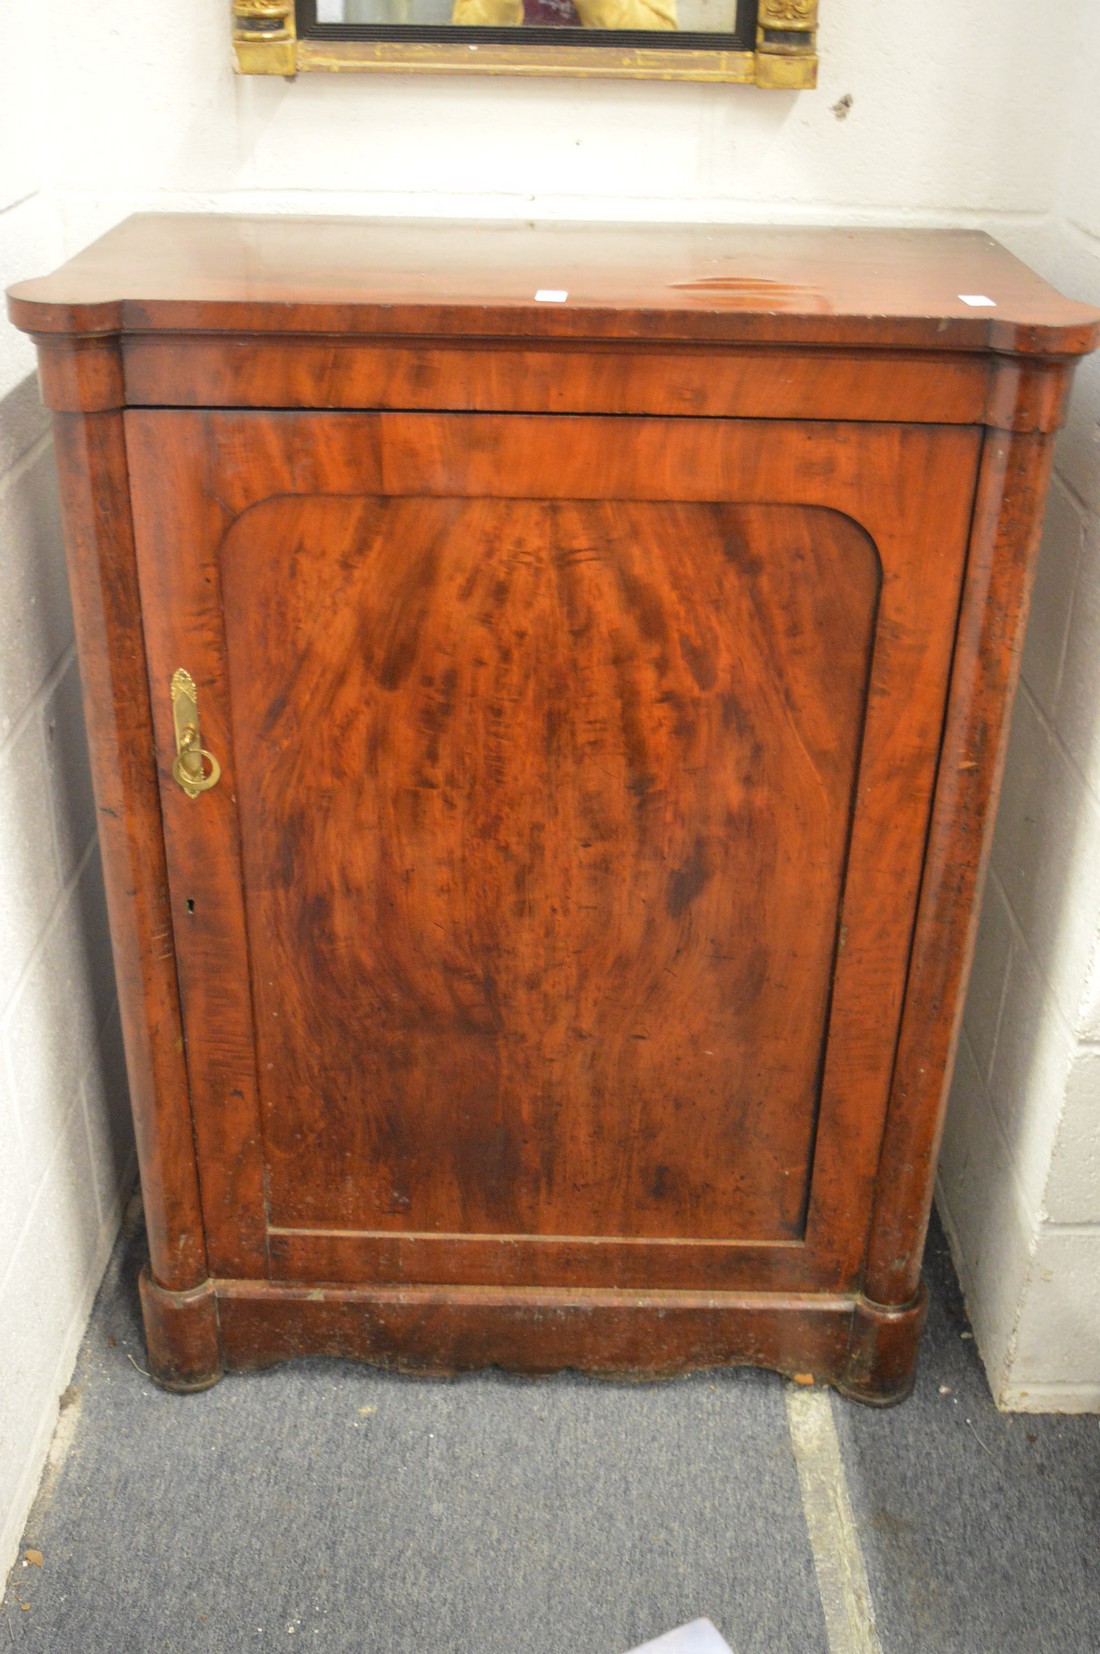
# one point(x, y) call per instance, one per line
point(979, 301)
point(551, 295)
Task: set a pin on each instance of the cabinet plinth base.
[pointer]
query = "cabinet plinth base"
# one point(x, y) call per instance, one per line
point(866, 1351)
point(182, 1336)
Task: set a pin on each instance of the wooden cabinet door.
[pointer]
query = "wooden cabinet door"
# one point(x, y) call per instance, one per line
point(549, 923)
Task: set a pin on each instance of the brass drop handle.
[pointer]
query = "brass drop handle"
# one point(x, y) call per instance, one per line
point(189, 765)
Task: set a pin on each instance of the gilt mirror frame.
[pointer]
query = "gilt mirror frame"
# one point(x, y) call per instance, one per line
point(773, 44)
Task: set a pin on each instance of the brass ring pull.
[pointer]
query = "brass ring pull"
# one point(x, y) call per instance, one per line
point(189, 764)
point(187, 769)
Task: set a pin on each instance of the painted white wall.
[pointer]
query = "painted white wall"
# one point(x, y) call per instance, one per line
point(65, 1143)
point(959, 115)
point(951, 122)
point(1020, 1171)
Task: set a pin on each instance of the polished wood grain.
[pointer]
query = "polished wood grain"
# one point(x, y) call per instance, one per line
point(611, 701)
point(81, 375)
point(91, 457)
point(491, 376)
point(643, 282)
point(544, 824)
point(867, 1352)
point(1000, 569)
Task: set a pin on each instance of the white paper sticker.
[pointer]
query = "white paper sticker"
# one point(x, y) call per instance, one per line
point(979, 301)
point(551, 295)
point(699, 1637)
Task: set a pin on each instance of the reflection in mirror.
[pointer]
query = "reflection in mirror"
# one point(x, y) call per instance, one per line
point(694, 16)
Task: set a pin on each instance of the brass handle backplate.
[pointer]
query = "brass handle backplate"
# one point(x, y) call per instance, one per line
point(189, 765)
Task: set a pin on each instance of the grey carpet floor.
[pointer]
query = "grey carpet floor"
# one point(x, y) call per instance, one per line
point(329, 1507)
point(980, 1529)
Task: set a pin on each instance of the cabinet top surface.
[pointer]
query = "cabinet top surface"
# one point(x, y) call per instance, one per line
point(927, 289)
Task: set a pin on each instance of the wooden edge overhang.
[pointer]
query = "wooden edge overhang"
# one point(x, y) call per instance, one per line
point(940, 290)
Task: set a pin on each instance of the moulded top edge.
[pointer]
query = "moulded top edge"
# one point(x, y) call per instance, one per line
point(927, 289)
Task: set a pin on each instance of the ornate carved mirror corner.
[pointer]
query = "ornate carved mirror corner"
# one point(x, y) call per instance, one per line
point(770, 43)
point(785, 54)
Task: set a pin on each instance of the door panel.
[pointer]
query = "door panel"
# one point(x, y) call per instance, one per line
point(544, 808)
point(537, 836)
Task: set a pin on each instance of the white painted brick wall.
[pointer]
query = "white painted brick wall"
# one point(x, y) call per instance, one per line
point(990, 1218)
point(1030, 1073)
point(959, 115)
point(1058, 1329)
point(65, 1155)
point(66, 1149)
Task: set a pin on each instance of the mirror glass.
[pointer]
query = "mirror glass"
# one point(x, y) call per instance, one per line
point(721, 21)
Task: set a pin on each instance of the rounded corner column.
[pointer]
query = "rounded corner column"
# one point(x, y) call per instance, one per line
point(182, 1335)
point(881, 1365)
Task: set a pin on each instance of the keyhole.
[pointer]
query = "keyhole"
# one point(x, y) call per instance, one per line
point(190, 905)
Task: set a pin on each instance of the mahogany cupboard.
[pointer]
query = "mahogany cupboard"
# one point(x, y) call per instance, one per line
point(547, 691)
